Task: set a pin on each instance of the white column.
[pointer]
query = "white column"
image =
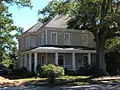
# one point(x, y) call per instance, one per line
point(35, 62)
point(56, 58)
point(30, 60)
point(89, 58)
point(73, 61)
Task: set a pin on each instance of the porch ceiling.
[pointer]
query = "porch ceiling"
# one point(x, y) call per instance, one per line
point(60, 50)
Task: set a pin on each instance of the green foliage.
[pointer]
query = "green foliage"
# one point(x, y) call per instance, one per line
point(51, 70)
point(113, 62)
point(101, 17)
point(21, 73)
point(20, 3)
point(113, 44)
point(8, 44)
point(48, 12)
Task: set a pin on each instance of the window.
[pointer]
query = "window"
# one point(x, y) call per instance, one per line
point(67, 38)
point(32, 41)
point(60, 60)
point(42, 60)
point(22, 43)
point(85, 60)
point(26, 42)
point(42, 38)
point(84, 39)
point(53, 38)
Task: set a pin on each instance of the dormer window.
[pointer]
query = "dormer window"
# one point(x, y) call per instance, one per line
point(53, 38)
point(66, 38)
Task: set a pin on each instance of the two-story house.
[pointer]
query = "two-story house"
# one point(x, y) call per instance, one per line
point(53, 43)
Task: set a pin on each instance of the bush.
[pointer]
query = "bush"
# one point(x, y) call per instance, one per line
point(21, 73)
point(51, 71)
point(70, 72)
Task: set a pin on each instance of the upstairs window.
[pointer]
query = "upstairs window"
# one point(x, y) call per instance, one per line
point(67, 38)
point(32, 41)
point(26, 42)
point(42, 38)
point(84, 39)
point(22, 42)
point(53, 38)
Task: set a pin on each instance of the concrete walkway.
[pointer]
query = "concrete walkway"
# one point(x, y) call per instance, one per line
point(81, 87)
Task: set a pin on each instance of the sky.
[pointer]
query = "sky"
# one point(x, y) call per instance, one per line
point(26, 17)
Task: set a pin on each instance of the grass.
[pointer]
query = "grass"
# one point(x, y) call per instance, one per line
point(70, 80)
point(72, 77)
point(32, 79)
point(64, 80)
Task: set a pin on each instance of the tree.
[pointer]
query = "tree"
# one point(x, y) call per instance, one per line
point(7, 39)
point(48, 12)
point(101, 17)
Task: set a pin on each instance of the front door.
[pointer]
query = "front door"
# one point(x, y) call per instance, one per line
point(32, 67)
point(61, 59)
point(42, 59)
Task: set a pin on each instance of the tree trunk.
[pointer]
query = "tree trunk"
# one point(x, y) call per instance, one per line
point(100, 53)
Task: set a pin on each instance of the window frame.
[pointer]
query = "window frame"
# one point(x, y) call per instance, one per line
point(85, 42)
point(85, 59)
point(56, 40)
point(33, 41)
point(68, 40)
point(42, 38)
point(63, 57)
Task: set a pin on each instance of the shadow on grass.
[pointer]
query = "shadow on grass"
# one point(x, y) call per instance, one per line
point(63, 82)
point(68, 81)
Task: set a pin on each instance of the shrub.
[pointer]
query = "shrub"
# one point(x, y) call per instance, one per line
point(21, 73)
point(48, 70)
point(51, 71)
point(70, 72)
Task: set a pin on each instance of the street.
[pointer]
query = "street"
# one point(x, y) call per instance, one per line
point(80, 87)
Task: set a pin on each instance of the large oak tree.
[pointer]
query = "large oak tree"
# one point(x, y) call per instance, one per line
point(101, 17)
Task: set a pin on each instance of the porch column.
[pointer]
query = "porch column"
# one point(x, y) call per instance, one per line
point(30, 61)
point(89, 58)
point(35, 62)
point(56, 58)
point(73, 61)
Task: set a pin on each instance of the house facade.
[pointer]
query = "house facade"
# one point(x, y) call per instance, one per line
point(53, 43)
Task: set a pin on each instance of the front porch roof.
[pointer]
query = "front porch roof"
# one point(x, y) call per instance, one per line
point(60, 50)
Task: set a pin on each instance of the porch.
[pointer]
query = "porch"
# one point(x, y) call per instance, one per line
point(69, 58)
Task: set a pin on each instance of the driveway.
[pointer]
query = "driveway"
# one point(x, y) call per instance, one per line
point(81, 87)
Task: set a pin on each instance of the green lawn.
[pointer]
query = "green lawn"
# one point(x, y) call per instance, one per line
point(64, 80)
point(70, 80)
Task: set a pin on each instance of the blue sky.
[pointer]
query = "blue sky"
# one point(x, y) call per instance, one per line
point(26, 17)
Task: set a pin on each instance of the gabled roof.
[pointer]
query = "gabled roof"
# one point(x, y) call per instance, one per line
point(35, 27)
point(58, 22)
